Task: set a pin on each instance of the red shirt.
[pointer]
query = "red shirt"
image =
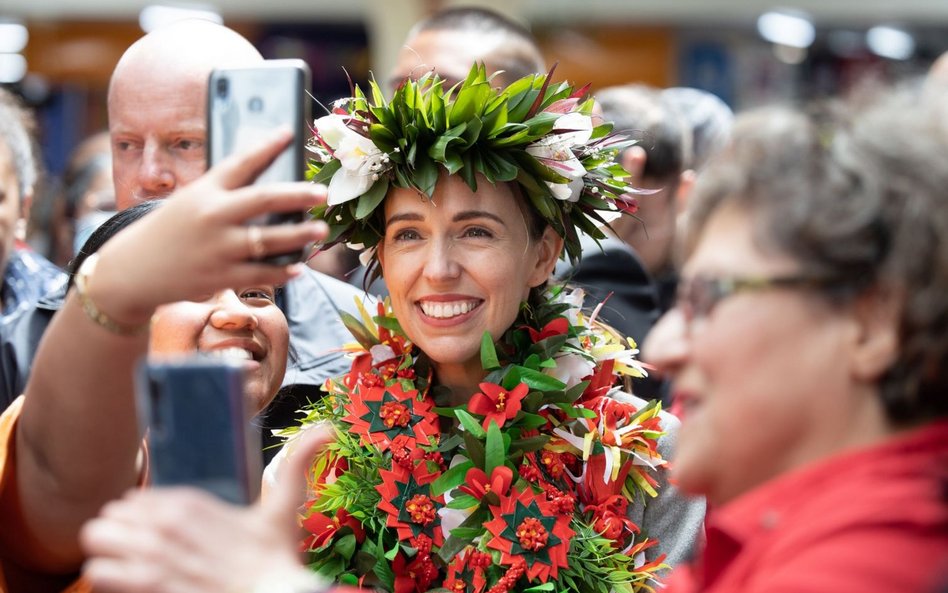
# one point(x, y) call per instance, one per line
point(875, 519)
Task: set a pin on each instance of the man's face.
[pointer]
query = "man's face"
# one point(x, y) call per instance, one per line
point(158, 132)
point(9, 205)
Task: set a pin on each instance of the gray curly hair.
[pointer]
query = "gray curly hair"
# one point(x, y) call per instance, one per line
point(16, 127)
point(859, 194)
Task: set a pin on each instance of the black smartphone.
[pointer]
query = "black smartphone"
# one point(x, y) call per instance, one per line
point(198, 427)
point(245, 106)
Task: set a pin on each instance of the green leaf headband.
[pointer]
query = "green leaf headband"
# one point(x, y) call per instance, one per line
point(535, 132)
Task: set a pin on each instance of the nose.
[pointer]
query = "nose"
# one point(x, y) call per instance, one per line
point(667, 346)
point(441, 263)
point(156, 173)
point(231, 313)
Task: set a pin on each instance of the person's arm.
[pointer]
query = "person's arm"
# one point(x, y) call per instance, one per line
point(77, 440)
point(172, 540)
point(676, 520)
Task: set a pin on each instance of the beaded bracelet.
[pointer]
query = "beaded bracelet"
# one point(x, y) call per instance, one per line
point(92, 311)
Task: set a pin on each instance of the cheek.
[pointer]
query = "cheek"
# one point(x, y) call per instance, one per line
point(177, 328)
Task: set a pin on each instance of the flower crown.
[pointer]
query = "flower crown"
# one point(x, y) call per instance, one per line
point(535, 132)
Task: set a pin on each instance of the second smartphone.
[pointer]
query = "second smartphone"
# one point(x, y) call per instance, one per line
point(245, 106)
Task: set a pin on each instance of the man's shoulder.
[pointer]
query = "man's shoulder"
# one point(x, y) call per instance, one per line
point(315, 290)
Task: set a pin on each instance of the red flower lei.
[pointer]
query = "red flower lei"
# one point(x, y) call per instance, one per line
point(540, 470)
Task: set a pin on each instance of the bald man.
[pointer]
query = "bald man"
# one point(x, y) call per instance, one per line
point(157, 106)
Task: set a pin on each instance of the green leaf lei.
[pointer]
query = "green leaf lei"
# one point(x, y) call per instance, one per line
point(536, 132)
point(524, 488)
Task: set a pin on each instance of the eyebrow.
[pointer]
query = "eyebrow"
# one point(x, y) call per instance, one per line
point(459, 217)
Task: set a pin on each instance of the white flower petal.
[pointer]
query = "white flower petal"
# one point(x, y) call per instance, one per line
point(332, 129)
point(346, 185)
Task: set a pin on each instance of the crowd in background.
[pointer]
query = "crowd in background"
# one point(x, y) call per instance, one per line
point(813, 401)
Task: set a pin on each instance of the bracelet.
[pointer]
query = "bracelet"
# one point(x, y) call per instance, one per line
point(92, 311)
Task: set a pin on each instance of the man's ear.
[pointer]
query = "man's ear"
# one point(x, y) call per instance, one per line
point(686, 183)
point(549, 249)
point(877, 314)
point(633, 161)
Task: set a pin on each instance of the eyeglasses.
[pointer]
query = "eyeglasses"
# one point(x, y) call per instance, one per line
point(699, 295)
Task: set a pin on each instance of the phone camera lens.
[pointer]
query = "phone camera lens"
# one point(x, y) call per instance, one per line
point(255, 105)
point(223, 85)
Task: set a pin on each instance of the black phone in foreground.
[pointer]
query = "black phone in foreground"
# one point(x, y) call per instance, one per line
point(198, 428)
point(246, 105)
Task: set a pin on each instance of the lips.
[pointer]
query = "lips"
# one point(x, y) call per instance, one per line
point(448, 309)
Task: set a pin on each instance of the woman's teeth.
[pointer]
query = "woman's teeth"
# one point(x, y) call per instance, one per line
point(231, 354)
point(447, 310)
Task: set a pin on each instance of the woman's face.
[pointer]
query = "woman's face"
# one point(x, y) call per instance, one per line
point(763, 380)
point(459, 265)
point(245, 324)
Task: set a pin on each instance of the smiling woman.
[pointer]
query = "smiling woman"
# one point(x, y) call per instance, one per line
point(466, 197)
point(808, 351)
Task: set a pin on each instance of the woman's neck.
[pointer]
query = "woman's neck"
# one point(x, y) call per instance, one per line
point(461, 379)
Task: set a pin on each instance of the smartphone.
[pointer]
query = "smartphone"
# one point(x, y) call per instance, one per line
point(246, 105)
point(198, 427)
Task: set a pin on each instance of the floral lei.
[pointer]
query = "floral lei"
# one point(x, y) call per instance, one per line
point(528, 491)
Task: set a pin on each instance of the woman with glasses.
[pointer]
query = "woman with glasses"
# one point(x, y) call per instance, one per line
point(809, 354)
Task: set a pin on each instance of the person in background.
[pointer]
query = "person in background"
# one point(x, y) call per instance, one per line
point(808, 350)
point(26, 275)
point(157, 105)
point(451, 40)
point(86, 200)
point(642, 243)
point(709, 118)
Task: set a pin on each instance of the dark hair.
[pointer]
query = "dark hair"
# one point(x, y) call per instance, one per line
point(106, 231)
point(640, 111)
point(857, 194)
point(521, 57)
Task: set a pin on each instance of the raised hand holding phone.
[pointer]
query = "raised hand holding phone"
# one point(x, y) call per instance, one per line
point(244, 106)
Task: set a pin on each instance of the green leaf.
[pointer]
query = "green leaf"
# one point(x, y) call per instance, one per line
point(536, 380)
point(470, 424)
point(450, 479)
point(494, 451)
point(489, 360)
point(548, 586)
point(474, 449)
point(529, 444)
point(370, 200)
point(530, 421)
point(453, 545)
point(464, 501)
point(345, 546)
point(576, 412)
point(327, 171)
point(358, 331)
point(426, 174)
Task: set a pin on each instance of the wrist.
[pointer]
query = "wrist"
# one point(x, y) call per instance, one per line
point(100, 306)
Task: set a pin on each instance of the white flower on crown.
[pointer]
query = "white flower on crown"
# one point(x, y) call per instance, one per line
point(555, 150)
point(362, 161)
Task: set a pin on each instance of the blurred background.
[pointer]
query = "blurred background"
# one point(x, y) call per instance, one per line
point(58, 54)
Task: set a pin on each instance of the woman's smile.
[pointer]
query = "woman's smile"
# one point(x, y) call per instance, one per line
point(448, 309)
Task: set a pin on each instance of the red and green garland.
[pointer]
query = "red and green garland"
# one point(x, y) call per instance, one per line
point(525, 488)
